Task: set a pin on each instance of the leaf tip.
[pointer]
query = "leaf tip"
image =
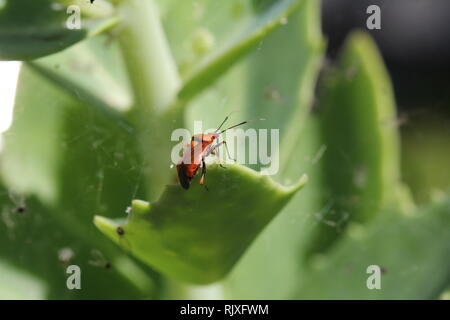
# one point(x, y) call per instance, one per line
point(140, 207)
point(106, 226)
point(299, 185)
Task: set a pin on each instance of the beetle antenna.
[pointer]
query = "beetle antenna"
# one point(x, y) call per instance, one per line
point(225, 120)
point(240, 124)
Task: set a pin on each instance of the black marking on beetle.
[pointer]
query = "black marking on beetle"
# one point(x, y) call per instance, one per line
point(184, 179)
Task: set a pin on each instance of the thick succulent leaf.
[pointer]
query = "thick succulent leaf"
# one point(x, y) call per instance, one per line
point(412, 251)
point(194, 29)
point(91, 71)
point(283, 91)
point(425, 156)
point(218, 62)
point(278, 251)
point(361, 160)
point(30, 164)
point(96, 9)
point(73, 142)
point(155, 81)
point(195, 235)
point(33, 28)
point(445, 295)
point(30, 29)
point(19, 285)
point(36, 248)
point(287, 84)
point(16, 283)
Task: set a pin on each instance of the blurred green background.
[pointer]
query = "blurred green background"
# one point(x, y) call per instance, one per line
point(362, 114)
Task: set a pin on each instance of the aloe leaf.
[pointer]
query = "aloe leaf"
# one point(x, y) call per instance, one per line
point(195, 235)
point(96, 9)
point(445, 295)
point(361, 160)
point(195, 29)
point(278, 251)
point(154, 78)
point(283, 91)
point(29, 165)
point(214, 65)
point(425, 156)
point(33, 28)
point(20, 285)
point(411, 250)
point(42, 153)
point(36, 248)
point(91, 71)
point(67, 79)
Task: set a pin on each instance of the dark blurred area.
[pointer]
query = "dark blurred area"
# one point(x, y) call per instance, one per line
point(415, 42)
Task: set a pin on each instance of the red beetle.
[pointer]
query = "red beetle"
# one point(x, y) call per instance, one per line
point(200, 147)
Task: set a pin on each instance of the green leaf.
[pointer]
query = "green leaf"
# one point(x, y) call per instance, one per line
point(97, 9)
point(30, 164)
point(154, 78)
point(445, 294)
point(283, 90)
point(220, 61)
point(20, 285)
point(425, 155)
point(411, 250)
point(195, 235)
point(33, 28)
point(277, 253)
point(195, 29)
point(72, 142)
point(361, 156)
point(273, 266)
point(36, 248)
point(91, 71)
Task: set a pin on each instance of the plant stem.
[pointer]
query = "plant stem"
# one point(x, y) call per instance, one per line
point(151, 67)
point(155, 81)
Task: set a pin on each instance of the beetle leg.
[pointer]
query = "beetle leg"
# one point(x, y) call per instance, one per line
point(214, 150)
point(226, 149)
point(202, 178)
point(220, 162)
point(218, 156)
